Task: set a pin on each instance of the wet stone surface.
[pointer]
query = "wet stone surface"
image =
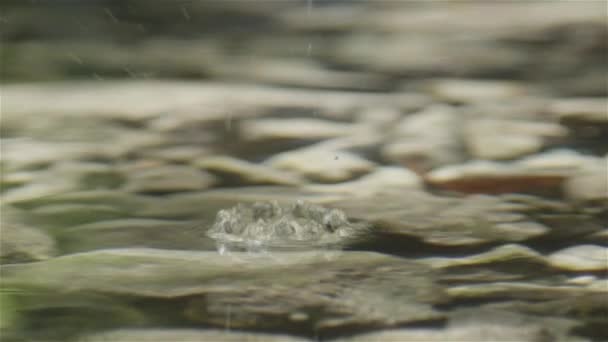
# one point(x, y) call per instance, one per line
point(352, 288)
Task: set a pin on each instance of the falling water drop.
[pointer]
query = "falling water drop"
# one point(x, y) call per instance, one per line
point(75, 58)
point(228, 122)
point(228, 318)
point(308, 10)
point(130, 72)
point(185, 12)
point(111, 15)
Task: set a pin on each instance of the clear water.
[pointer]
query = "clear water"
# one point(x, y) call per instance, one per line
point(303, 170)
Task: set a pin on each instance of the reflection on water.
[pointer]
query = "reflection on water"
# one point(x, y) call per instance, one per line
point(303, 170)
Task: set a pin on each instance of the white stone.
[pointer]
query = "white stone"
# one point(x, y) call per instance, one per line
point(254, 173)
point(581, 258)
point(381, 179)
point(583, 109)
point(297, 128)
point(322, 164)
point(465, 90)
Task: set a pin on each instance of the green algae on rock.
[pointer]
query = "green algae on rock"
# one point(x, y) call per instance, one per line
point(335, 290)
point(20, 242)
point(163, 335)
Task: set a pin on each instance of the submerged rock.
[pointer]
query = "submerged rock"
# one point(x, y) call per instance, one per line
point(543, 173)
point(443, 221)
point(525, 290)
point(589, 110)
point(480, 324)
point(168, 234)
point(169, 179)
point(503, 254)
point(472, 90)
point(426, 139)
point(275, 129)
point(162, 335)
point(311, 292)
point(377, 181)
point(61, 177)
point(507, 138)
point(269, 224)
point(69, 214)
point(246, 172)
point(205, 204)
point(510, 262)
point(20, 242)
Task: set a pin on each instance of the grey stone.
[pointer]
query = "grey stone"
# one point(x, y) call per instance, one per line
point(466, 90)
point(427, 55)
point(322, 164)
point(15, 179)
point(569, 162)
point(62, 177)
point(366, 140)
point(21, 153)
point(176, 154)
point(204, 205)
point(185, 335)
point(296, 128)
point(508, 139)
point(199, 101)
point(377, 181)
point(547, 297)
point(299, 72)
point(442, 221)
point(520, 290)
point(541, 172)
point(581, 258)
point(22, 243)
point(249, 173)
point(69, 214)
point(600, 237)
point(426, 139)
point(527, 108)
point(135, 100)
point(590, 183)
point(381, 116)
point(168, 179)
point(481, 324)
point(533, 19)
point(509, 262)
point(122, 233)
point(41, 188)
point(504, 253)
point(589, 110)
point(125, 201)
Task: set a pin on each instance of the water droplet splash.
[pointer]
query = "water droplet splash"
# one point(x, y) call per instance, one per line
point(264, 226)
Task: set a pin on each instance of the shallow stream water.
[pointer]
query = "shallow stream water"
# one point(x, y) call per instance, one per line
point(304, 171)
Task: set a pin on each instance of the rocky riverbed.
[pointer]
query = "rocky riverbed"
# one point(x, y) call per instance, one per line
point(303, 171)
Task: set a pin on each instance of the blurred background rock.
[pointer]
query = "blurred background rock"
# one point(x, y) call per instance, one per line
point(339, 44)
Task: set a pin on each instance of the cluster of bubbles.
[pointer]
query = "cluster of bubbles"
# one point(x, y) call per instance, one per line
point(267, 225)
